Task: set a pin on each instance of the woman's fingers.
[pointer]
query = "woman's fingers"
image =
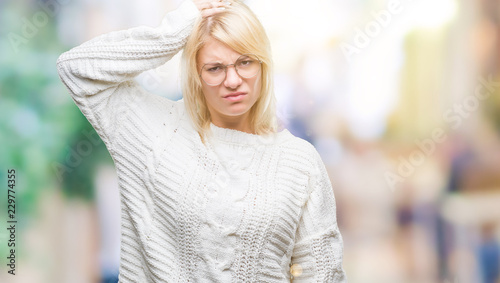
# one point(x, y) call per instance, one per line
point(211, 7)
point(210, 12)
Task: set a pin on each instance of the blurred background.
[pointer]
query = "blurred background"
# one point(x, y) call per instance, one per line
point(401, 99)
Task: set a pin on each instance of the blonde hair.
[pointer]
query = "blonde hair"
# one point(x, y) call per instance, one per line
point(237, 27)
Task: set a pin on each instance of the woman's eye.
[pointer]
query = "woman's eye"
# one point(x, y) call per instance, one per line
point(214, 69)
point(246, 62)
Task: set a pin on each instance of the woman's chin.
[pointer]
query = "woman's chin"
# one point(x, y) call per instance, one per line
point(236, 110)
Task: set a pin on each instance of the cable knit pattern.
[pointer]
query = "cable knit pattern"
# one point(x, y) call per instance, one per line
point(242, 208)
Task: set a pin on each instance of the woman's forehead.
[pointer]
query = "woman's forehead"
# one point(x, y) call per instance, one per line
point(216, 51)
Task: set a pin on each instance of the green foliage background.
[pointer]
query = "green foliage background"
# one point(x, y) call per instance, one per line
point(41, 126)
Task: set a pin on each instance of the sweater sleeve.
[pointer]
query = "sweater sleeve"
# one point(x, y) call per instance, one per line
point(99, 73)
point(318, 250)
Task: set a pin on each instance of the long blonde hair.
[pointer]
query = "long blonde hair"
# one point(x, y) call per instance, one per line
point(237, 27)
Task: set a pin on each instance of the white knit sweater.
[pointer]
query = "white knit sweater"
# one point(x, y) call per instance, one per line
point(242, 208)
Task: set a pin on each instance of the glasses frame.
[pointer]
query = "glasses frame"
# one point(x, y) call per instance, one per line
point(236, 69)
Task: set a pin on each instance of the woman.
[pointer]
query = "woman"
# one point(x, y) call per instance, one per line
point(210, 191)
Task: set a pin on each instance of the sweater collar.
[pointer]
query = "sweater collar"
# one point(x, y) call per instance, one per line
point(239, 137)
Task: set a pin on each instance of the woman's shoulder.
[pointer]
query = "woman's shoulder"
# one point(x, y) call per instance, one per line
point(302, 150)
point(150, 103)
point(139, 107)
point(299, 144)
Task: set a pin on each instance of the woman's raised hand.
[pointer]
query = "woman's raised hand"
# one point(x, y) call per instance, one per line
point(211, 7)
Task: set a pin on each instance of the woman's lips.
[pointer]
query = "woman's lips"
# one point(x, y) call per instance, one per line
point(235, 96)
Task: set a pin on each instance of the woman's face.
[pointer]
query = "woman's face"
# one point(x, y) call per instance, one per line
point(223, 108)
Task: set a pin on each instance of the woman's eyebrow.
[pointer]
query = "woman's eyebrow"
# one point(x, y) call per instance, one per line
point(219, 61)
point(213, 62)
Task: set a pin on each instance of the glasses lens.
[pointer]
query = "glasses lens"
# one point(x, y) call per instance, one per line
point(247, 65)
point(213, 74)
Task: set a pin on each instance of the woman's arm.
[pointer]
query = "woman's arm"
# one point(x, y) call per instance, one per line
point(318, 250)
point(99, 73)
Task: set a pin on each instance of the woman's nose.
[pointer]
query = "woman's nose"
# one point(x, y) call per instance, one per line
point(233, 80)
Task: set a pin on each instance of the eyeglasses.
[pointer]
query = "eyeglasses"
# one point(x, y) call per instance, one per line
point(246, 66)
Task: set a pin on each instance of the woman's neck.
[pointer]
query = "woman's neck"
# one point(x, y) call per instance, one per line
point(233, 122)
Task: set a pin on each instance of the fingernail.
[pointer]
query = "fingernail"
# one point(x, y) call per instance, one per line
point(228, 3)
point(221, 8)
